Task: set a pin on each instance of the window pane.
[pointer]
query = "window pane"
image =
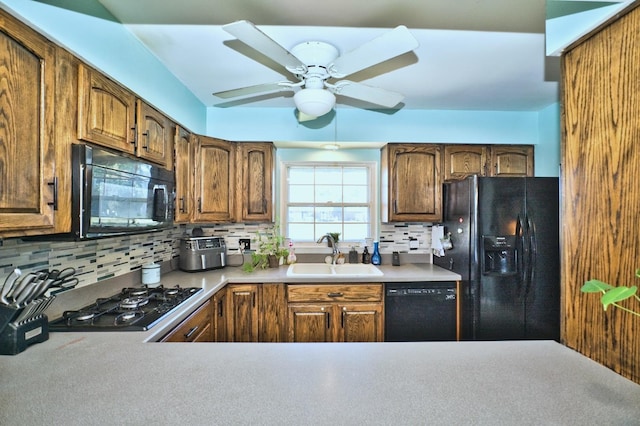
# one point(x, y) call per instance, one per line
point(356, 214)
point(322, 229)
point(300, 214)
point(301, 194)
point(300, 175)
point(329, 214)
point(356, 176)
point(328, 175)
point(328, 194)
point(300, 232)
point(356, 194)
point(355, 233)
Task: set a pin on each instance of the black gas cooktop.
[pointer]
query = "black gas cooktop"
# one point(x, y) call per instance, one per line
point(133, 309)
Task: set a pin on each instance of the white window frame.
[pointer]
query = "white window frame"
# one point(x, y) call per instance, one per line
point(374, 192)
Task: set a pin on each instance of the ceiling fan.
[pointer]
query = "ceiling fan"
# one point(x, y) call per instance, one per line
point(314, 63)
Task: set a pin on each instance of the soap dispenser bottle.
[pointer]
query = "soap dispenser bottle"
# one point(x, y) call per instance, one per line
point(366, 257)
point(375, 257)
point(353, 255)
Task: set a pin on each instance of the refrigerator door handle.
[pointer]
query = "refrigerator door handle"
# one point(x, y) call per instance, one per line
point(533, 254)
point(520, 253)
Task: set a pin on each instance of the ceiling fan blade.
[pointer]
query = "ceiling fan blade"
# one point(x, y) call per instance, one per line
point(252, 90)
point(250, 35)
point(389, 45)
point(374, 95)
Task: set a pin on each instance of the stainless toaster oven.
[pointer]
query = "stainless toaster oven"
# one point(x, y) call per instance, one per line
point(202, 253)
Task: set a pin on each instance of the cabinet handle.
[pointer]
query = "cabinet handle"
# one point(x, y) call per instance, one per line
point(146, 136)
point(54, 184)
point(253, 298)
point(183, 208)
point(220, 313)
point(190, 333)
point(199, 205)
point(335, 294)
point(343, 315)
point(395, 206)
point(134, 142)
point(328, 320)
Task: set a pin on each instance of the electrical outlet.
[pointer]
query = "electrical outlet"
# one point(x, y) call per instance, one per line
point(245, 243)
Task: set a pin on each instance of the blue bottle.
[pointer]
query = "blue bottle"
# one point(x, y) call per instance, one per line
point(375, 257)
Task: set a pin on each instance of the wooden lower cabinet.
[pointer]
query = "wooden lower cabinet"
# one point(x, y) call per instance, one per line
point(220, 333)
point(197, 327)
point(242, 312)
point(335, 313)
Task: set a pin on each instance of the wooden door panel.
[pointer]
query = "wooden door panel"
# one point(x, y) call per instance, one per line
point(310, 323)
point(362, 323)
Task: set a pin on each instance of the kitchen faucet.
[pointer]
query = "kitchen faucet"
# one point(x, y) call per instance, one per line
point(334, 244)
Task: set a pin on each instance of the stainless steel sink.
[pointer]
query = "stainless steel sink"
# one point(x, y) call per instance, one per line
point(335, 271)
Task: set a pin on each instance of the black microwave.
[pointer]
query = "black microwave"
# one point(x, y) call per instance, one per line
point(116, 195)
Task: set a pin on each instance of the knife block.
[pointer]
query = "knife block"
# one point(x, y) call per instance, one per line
point(15, 337)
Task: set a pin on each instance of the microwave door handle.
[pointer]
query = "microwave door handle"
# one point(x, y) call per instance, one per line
point(160, 202)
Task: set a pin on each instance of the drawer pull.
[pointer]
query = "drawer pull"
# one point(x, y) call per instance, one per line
point(190, 333)
point(337, 294)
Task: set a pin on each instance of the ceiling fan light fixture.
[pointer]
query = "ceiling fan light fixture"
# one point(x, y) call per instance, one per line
point(314, 102)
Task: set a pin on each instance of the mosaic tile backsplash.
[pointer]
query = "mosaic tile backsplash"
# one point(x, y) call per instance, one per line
point(98, 260)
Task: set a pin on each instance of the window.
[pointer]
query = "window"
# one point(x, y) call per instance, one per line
point(320, 198)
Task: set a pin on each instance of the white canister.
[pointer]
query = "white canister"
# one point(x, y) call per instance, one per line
point(150, 274)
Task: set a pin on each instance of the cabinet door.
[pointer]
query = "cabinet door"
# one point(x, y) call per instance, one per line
point(153, 135)
point(361, 322)
point(183, 168)
point(242, 313)
point(255, 181)
point(411, 183)
point(273, 312)
point(220, 316)
point(197, 327)
point(106, 111)
point(461, 161)
point(311, 323)
point(27, 157)
point(512, 160)
point(215, 180)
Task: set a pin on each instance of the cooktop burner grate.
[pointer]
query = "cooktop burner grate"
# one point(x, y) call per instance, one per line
point(133, 309)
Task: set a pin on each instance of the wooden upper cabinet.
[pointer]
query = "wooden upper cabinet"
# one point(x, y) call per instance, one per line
point(27, 156)
point(184, 145)
point(215, 180)
point(106, 111)
point(255, 183)
point(411, 183)
point(461, 161)
point(512, 160)
point(154, 135)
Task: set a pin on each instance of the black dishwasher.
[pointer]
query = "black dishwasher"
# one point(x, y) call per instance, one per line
point(420, 311)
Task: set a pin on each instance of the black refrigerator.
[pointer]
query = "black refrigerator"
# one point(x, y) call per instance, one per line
point(505, 245)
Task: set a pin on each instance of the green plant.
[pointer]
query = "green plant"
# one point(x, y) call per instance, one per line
point(611, 295)
point(335, 236)
point(268, 244)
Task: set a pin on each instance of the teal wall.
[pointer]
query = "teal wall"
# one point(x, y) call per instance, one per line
point(353, 125)
point(90, 32)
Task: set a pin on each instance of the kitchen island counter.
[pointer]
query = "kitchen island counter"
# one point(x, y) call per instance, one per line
point(126, 378)
point(116, 378)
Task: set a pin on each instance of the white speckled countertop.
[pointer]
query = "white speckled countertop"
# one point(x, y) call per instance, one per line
point(118, 378)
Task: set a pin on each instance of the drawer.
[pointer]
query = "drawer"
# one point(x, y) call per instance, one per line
point(196, 327)
point(334, 293)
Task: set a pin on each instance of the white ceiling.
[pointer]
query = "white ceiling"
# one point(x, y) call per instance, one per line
point(473, 54)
